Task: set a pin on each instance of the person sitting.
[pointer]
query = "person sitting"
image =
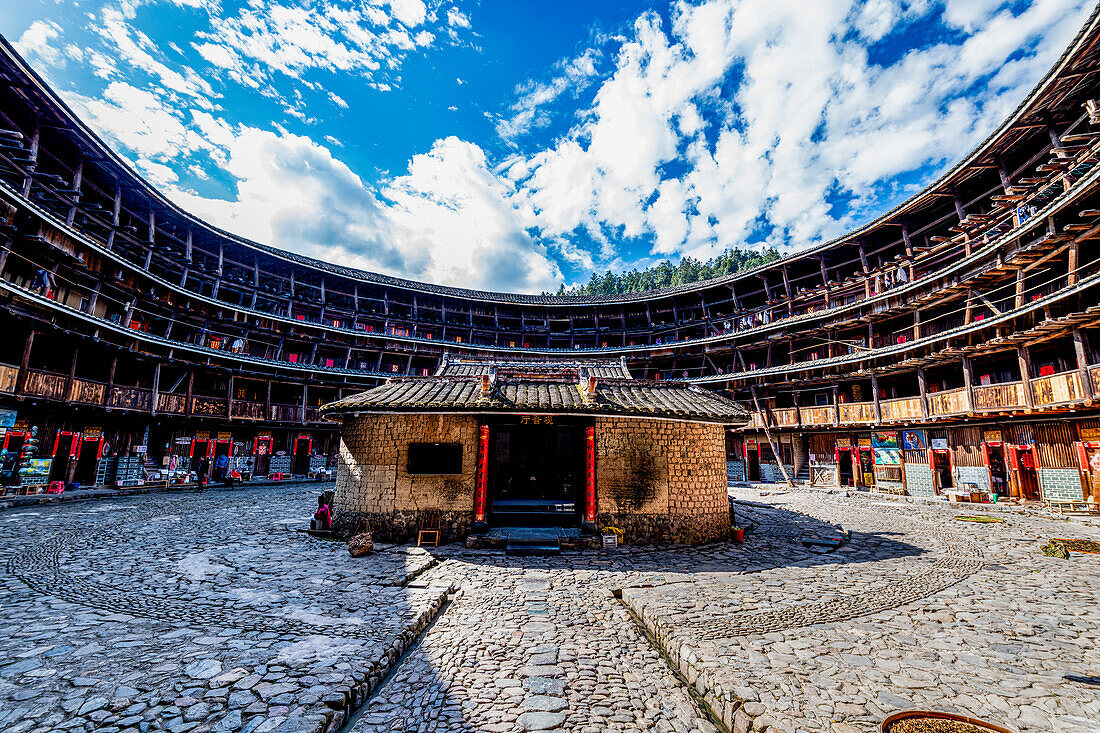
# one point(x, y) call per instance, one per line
point(322, 518)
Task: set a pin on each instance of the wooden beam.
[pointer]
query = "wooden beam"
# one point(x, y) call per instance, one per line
point(922, 384)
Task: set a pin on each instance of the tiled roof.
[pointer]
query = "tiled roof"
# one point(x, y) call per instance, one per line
point(566, 369)
point(531, 393)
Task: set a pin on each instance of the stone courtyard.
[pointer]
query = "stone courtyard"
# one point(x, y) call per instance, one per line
point(197, 612)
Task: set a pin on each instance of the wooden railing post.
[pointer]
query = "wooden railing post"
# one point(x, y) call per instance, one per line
point(922, 383)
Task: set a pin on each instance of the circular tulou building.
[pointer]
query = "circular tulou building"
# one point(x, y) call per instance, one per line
point(948, 349)
point(566, 444)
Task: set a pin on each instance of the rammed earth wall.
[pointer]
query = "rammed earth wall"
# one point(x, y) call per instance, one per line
point(662, 480)
point(374, 489)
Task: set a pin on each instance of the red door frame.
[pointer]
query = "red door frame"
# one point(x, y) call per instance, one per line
point(1014, 464)
point(14, 434)
point(950, 466)
point(74, 437)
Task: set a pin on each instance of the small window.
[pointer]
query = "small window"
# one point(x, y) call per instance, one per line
point(435, 458)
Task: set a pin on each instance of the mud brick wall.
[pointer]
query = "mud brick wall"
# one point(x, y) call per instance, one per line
point(374, 488)
point(661, 481)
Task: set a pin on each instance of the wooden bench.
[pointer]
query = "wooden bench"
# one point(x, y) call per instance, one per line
point(1062, 507)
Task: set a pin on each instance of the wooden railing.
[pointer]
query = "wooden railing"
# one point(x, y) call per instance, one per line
point(904, 408)
point(786, 417)
point(857, 412)
point(131, 398)
point(999, 396)
point(1058, 388)
point(212, 406)
point(949, 402)
point(286, 413)
point(313, 414)
point(173, 403)
point(248, 410)
point(87, 392)
point(8, 377)
point(817, 415)
point(45, 384)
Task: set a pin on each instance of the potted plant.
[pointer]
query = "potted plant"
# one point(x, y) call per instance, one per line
point(738, 534)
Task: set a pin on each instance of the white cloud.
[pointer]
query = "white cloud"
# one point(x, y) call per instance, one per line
point(39, 42)
point(529, 110)
point(457, 18)
point(809, 120)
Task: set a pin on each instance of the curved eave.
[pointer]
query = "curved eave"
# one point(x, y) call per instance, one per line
point(1083, 41)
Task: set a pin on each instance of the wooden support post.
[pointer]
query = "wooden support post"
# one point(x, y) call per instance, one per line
point(78, 181)
point(836, 406)
point(1025, 376)
point(32, 164)
point(110, 379)
point(72, 374)
point(916, 325)
point(787, 287)
point(771, 441)
point(1018, 302)
point(968, 382)
point(1080, 347)
point(24, 363)
point(922, 384)
point(877, 403)
point(797, 409)
point(267, 402)
point(229, 406)
point(305, 398)
point(189, 403)
point(156, 389)
point(1074, 256)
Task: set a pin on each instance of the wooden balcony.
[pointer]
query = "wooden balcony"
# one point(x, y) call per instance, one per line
point(210, 406)
point(8, 376)
point(1007, 396)
point(857, 412)
point(45, 384)
point(904, 408)
point(247, 410)
point(817, 415)
point(1058, 389)
point(785, 418)
point(130, 398)
point(949, 402)
point(87, 392)
point(172, 403)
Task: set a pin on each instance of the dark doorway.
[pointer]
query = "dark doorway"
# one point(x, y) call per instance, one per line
point(845, 474)
point(223, 449)
point(87, 460)
point(537, 475)
point(998, 471)
point(942, 470)
point(64, 449)
point(300, 460)
point(752, 463)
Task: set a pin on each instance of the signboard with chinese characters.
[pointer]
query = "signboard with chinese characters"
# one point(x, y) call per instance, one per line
point(864, 442)
point(991, 436)
point(93, 432)
point(537, 420)
point(1090, 434)
point(843, 442)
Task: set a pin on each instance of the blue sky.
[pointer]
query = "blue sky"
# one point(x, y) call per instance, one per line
point(518, 145)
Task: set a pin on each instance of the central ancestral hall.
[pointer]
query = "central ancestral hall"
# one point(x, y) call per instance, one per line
point(484, 445)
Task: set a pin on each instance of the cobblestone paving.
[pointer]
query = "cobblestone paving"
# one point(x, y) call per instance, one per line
point(197, 612)
point(979, 622)
point(208, 612)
